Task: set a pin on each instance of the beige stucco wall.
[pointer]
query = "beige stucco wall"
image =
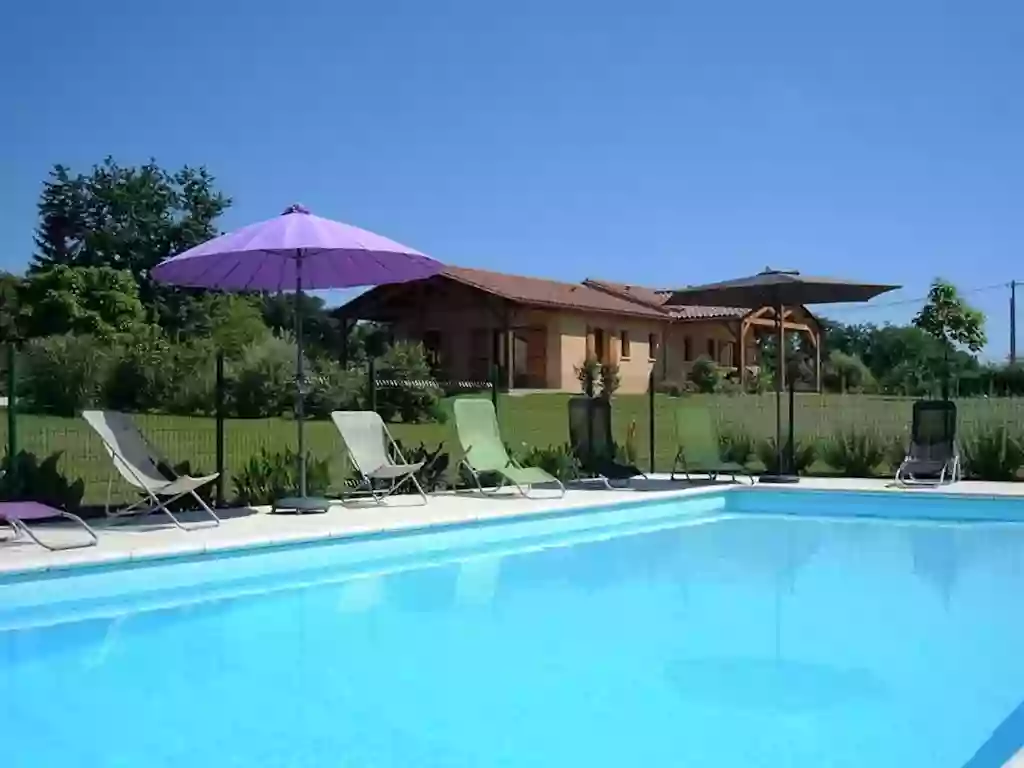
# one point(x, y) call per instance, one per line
point(633, 370)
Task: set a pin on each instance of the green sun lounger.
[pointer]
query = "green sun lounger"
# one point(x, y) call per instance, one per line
point(699, 450)
point(477, 425)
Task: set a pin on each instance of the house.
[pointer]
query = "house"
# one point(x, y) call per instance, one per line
point(537, 331)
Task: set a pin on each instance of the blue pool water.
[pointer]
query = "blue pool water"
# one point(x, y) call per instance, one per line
point(708, 632)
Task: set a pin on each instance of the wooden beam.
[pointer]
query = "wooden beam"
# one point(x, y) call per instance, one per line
point(789, 326)
point(817, 360)
point(744, 330)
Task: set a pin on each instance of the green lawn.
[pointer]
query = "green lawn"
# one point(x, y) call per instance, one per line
point(536, 420)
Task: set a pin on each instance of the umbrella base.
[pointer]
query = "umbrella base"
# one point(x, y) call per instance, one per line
point(301, 504)
point(771, 478)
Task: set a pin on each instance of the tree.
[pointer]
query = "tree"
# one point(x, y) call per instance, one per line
point(321, 332)
point(125, 218)
point(10, 307)
point(99, 301)
point(232, 321)
point(947, 318)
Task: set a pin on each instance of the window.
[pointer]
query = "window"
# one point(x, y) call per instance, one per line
point(600, 345)
point(624, 340)
point(687, 349)
point(711, 348)
point(652, 346)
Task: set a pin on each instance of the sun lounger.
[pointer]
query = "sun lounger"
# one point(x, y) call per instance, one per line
point(372, 451)
point(699, 449)
point(933, 457)
point(138, 463)
point(16, 514)
point(590, 434)
point(477, 425)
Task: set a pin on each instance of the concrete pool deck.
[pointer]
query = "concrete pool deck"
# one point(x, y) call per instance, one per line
point(155, 537)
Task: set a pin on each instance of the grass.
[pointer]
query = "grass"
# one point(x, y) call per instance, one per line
point(532, 420)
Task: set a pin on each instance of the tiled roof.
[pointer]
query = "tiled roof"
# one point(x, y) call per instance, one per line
point(656, 299)
point(551, 293)
point(588, 296)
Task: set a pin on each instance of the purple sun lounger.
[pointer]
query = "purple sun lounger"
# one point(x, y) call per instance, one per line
point(15, 513)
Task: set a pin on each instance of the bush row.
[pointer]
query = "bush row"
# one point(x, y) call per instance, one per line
point(988, 452)
point(150, 373)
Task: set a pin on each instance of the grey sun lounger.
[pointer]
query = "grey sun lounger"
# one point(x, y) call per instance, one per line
point(16, 514)
point(934, 456)
point(137, 462)
point(372, 451)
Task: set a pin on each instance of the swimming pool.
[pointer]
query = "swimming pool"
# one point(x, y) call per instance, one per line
point(746, 628)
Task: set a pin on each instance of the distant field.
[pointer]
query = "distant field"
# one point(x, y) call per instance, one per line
point(535, 420)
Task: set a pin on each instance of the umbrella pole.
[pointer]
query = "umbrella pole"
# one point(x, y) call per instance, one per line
point(779, 475)
point(778, 387)
point(300, 405)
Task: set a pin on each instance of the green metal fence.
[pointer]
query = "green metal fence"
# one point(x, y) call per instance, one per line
point(646, 422)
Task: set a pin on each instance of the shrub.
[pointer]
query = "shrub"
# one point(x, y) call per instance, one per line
point(269, 476)
point(63, 374)
point(192, 372)
point(675, 388)
point(610, 379)
point(759, 383)
point(992, 453)
point(588, 373)
point(804, 455)
point(262, 382)
point(706, 375)
point(846, 373)
point(557, 460)
point(405, 362)
point(855, 454)
point(737, 446)
point(333, 388)
point(28, 479)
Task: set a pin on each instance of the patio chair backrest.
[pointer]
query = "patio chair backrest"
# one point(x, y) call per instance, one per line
point(933, 430)
point(590, 428)
point(697, 435)
point(365, 437)
point(479, 435)
point(132, 456)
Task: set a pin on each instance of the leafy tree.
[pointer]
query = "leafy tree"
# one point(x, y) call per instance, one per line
point(127, 218)
point(321, 333)
point(947, 318)
point(81, 300)
point(843, 372)
point(232, 321)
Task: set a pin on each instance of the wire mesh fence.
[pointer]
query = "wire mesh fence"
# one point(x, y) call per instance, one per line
point(212, 440)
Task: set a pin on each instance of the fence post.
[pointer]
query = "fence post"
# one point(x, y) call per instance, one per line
point(494, 387)
point(12, 403)
point(650, 417)
point(219, 387)
point(371, 383)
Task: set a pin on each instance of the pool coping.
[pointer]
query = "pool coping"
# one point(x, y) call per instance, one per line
point(343, 523)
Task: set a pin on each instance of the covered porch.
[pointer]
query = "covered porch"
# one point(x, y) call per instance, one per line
point(469, 335)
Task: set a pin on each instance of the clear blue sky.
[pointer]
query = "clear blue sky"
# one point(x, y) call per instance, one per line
point(659, 143)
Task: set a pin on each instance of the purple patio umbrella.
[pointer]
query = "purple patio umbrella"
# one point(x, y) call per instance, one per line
point(296, 251)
